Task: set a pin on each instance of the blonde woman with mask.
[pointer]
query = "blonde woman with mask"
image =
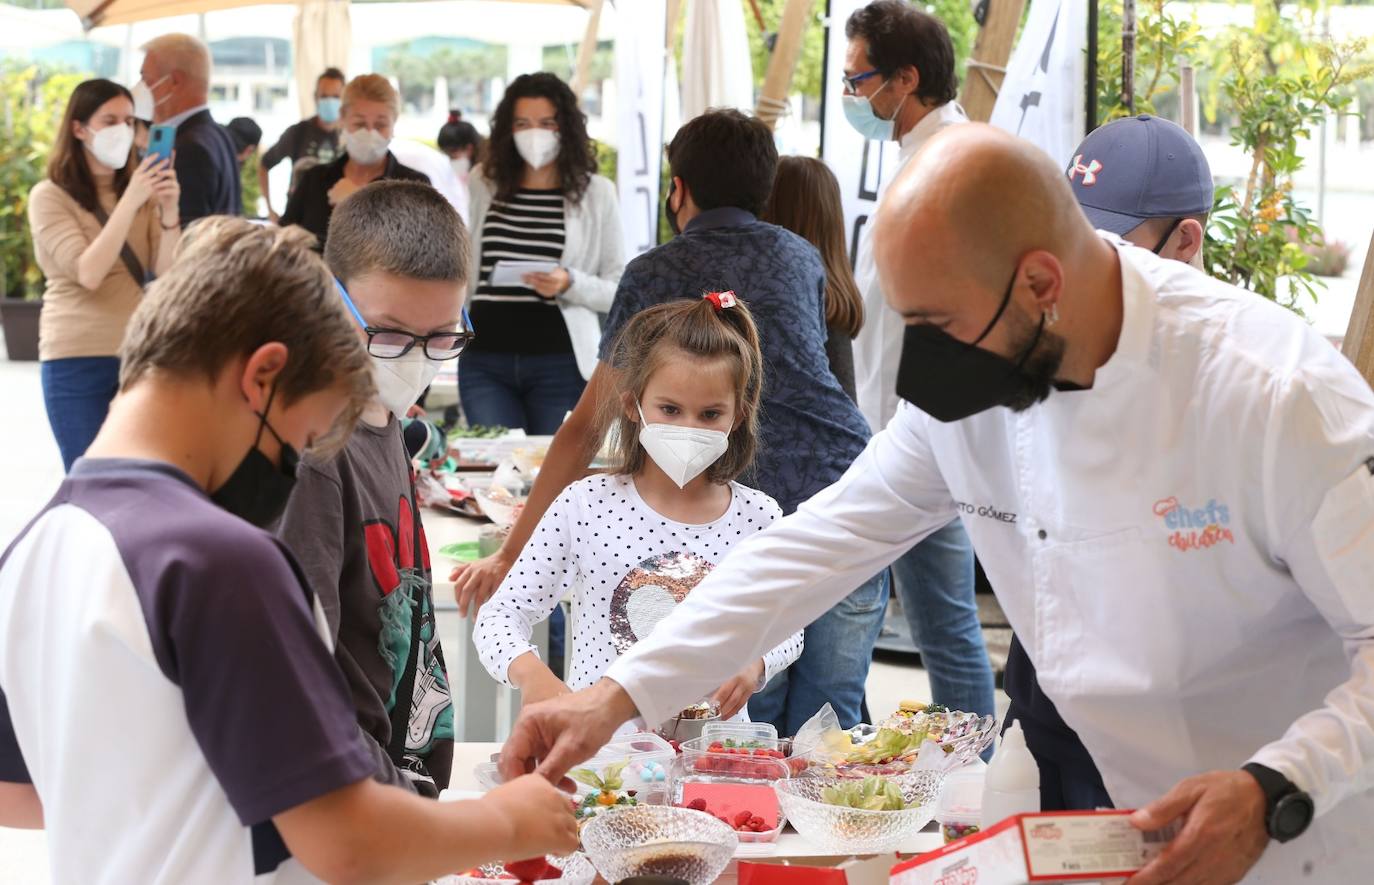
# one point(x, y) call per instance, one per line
point(368, 115)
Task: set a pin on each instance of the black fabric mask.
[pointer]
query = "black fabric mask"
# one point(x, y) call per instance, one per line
point(257, 490)
point(668, 209)
point(951, 380)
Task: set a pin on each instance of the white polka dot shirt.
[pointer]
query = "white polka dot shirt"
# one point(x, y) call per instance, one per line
point(626, 567)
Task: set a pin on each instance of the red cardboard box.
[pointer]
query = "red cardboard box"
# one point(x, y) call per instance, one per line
point(1051, 847)
point(816, 871)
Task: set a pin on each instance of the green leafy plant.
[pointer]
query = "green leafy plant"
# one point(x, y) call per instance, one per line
point(1267, 84)
point(1278, 84)
point(248, 183)
point(1329, 259)
point(35, 98)
point(1163, 43)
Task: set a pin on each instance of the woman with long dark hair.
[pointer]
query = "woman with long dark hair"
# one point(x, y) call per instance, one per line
point(547, 256)
point(806, 201)
point(103, 226)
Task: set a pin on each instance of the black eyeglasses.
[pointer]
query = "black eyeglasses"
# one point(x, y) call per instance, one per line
point(390, 344)
point(851, 84)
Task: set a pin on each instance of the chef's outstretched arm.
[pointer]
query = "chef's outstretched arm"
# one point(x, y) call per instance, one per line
point(770, 586)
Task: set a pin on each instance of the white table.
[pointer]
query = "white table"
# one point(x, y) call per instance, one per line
point(789, 845)
point(483, 708)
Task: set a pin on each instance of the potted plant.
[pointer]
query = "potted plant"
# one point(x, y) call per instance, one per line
point(34, 99)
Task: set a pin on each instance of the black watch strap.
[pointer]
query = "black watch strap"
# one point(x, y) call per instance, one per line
point(1287, 810)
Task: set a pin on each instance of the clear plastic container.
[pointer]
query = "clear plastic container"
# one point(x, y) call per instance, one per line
point(747, 735)
point(697, 756)
point(959, 810)
point(729, 784)
point(649, 763)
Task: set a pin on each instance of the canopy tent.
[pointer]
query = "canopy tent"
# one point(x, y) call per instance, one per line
point(97, 13)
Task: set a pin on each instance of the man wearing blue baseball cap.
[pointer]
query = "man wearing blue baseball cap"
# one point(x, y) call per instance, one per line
point(1145, 179)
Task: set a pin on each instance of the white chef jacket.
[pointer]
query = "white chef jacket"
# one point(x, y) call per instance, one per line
point(878, 346)
point(1186, 551)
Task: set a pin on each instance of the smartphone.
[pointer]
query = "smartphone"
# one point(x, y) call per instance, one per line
point(161, 138)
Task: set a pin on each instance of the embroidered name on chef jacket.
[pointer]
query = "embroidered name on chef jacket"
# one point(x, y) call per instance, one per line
point(986, 511)
point(1195, 527)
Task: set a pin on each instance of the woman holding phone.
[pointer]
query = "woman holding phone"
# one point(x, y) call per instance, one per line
point(547, 256)
point(104, 225)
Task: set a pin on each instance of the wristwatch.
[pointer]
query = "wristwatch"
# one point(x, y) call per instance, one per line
point(1288, 810)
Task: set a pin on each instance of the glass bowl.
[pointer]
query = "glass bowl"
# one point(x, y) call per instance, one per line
point(659, 840)
point(851, 830)
point(577, 870)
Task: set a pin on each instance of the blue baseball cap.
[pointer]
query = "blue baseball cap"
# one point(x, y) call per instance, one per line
point(1138, 168)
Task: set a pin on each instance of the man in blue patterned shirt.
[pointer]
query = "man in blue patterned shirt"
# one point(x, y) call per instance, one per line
point(723, 165)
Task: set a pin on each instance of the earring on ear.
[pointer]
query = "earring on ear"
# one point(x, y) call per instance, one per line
point(1052, 315)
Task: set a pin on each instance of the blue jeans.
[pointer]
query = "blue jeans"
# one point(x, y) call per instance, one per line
point(532, 392)
point(77, 393)
point(833, 666)
point(934, 580)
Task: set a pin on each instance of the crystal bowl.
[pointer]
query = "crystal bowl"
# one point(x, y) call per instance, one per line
point(577, 870)
point(653, 840)
point(852, 830)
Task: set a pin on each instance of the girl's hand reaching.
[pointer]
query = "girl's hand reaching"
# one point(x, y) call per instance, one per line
point(733, 695)
point(535, 680)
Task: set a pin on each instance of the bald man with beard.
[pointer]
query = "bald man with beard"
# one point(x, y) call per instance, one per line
point(1170, 483)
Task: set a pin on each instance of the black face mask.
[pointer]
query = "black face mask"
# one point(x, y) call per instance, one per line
point(951, 380)
point(257, 490)
point(668, 209)
point(1164, 240)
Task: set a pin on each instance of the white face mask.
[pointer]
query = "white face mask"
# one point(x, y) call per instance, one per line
point(681, 452)
point(111, 145)
point(538, 147)
point(401, 381)
point(143, 101)
point(461, 166)
point(367, 146)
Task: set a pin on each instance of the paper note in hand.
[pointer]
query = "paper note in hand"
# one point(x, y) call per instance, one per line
point(512, 273)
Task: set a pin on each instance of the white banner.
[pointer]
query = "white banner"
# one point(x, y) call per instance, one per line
point(640, 63)
point(861, 166)
point(1042, 98)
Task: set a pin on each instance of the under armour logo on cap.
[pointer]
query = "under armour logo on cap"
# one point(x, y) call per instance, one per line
point(1089, 172)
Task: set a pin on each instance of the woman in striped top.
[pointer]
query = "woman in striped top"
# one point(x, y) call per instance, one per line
point(537, 201)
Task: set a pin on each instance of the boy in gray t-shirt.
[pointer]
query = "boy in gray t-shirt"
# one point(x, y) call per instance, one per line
point(399, 253)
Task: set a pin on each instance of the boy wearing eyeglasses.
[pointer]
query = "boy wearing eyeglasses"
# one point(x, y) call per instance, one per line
point(399, 253)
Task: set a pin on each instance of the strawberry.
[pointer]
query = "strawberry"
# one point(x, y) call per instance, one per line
point(697, 804)
point(532, 870)
point(742, 819)
point(716, 747)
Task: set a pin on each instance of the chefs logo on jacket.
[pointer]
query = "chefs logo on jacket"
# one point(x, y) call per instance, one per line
point(1195, 527)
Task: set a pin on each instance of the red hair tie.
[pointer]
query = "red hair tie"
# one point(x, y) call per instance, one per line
point(721, 300)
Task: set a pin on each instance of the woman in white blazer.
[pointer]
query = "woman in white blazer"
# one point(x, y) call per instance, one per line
point(547, 254)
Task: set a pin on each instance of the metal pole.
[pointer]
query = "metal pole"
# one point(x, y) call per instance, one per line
point(1090, 119)
point(825, 69)
point(1187, 98)
point(1128, 55)
point(1321, 150)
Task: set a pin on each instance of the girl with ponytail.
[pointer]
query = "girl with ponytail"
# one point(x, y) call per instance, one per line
point(631, 544)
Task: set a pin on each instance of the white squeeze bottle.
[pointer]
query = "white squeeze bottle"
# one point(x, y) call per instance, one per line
point(1012, 785)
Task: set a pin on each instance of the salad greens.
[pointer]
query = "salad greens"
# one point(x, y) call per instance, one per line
point(870, 794)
